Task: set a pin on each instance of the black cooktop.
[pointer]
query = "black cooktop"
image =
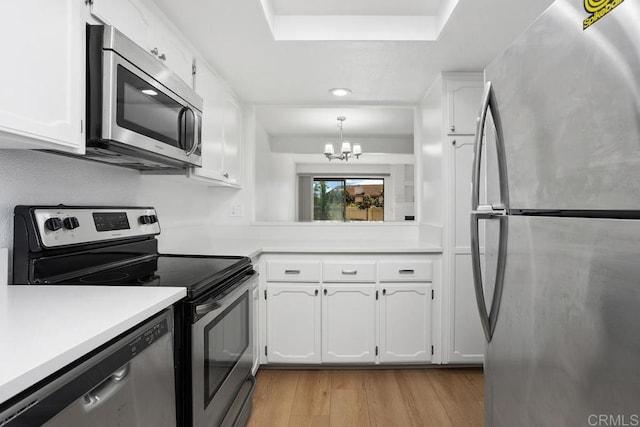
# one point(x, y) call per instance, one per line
point(198, 273)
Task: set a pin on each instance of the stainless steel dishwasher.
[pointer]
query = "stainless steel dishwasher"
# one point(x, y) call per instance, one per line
point(127, 382)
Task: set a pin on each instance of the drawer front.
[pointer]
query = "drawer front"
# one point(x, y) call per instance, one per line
point(358, 271)
point(406, 271)
point(293, 271)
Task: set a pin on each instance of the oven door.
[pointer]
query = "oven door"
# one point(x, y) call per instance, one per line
point(222, 357)
point(139, 111)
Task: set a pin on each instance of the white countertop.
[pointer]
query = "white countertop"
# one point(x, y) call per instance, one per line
point(253, 248)
point(44, 328)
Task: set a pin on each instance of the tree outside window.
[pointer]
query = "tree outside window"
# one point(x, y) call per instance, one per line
point(348, 199)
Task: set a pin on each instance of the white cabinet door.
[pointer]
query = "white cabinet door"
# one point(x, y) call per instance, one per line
point(221, 131)
point(209, 87)
point(232, 139)
point(405, 323)
point(42, 75)
point(293, 323)
point(348, 323)
point(148, 31)
point(255, 307)
point(171, 51)
point(464, 105)
point(128, 17)
point(467, 337)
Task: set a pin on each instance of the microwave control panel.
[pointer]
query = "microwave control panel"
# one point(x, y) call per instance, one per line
point(64, 226)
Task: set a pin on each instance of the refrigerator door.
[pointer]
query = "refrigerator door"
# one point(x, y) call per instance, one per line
point(566, 346)
point(570, 106)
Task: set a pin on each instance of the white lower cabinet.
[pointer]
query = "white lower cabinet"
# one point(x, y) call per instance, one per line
point(293, 323)
point(405, 323)
point(348, 323)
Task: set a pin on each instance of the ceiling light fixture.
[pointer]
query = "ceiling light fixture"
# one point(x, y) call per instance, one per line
point(340, 91)
point(345, 146)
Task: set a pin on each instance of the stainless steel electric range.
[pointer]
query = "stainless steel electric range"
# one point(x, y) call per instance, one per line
point(117, 246)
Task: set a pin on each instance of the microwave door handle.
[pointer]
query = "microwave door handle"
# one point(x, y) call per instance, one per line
point(182, 128)
point(195, 142)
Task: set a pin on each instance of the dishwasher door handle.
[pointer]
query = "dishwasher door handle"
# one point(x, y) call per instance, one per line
point(107, 388)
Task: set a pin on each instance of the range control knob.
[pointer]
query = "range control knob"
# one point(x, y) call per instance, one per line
point(153, 219)
point(71, 222)
point(53, 224)
point(145, 219)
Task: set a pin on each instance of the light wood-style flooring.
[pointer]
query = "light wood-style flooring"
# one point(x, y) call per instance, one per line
point(389, 398)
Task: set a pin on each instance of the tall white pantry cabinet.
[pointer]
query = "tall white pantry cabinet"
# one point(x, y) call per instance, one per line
point(459, 97)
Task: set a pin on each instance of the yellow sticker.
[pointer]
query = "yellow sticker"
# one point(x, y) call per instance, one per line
point(597, 9)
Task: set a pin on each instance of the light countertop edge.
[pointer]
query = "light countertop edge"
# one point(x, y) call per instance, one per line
point(45, 328)
point(252, 249)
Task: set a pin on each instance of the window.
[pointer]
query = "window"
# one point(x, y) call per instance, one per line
point(348, 199)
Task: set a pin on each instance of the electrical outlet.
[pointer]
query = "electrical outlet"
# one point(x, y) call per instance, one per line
point(235, 209)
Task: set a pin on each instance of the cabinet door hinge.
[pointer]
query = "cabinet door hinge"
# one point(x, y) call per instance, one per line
point(376, 294)
point(432, 350)
point(265, 294)
point(376, 350)
point(265, 350)
point(81, 126)
point(433, 294)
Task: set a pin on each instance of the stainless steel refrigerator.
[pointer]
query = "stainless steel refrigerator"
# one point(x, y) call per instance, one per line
point(558, 277)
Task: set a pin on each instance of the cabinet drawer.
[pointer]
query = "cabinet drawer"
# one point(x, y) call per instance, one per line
point(359, 271)
point(293, 271)
point(406, 271)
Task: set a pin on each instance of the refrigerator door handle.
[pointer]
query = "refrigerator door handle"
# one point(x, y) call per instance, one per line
point(489, 319)
point(489, 103)
point(493, 211)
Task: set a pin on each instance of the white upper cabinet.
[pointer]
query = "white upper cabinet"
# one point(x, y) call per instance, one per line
point(232, 139)
point(42, 76)
point(148, 31)
point(127, 16)
point(221, 131)
point(464, 105)
point(171, 51)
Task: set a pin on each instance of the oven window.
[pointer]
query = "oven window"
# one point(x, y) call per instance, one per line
point(225, 340)
point(144, 109)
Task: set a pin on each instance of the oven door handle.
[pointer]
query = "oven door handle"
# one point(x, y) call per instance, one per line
point(208, 307)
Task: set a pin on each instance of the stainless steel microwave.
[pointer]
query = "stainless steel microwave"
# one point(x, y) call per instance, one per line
point(139, 113)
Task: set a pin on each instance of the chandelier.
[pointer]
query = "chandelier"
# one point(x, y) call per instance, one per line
point(345, 146)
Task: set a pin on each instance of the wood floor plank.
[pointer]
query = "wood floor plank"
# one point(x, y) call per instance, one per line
point(312, 394)
point(384, 400)
point(309, 421)
point(476, 378)
point(349, 408)
point(354, 379)
point(275, 410)
point(420, 399)
point(457, 398)
point(364, 398)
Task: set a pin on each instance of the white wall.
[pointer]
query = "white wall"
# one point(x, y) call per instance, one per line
point(277, 201)
point(431, 151)
point(33, 177)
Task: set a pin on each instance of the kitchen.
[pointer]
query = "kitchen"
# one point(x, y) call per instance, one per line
point(202, 211)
